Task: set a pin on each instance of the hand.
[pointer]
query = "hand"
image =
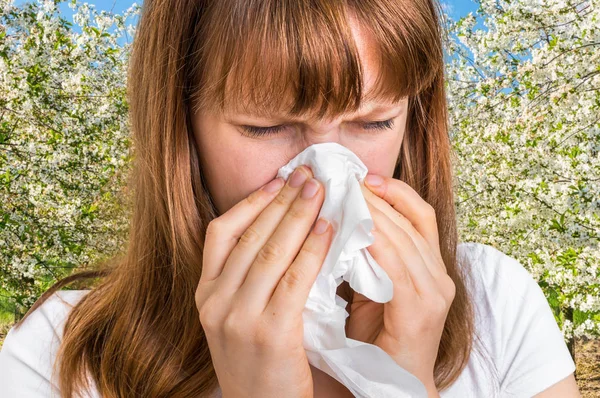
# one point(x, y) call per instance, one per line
point(259, 263)
point(406, 246)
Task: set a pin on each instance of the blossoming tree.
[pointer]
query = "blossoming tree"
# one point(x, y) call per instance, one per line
point(64, 145)
point(524, 97)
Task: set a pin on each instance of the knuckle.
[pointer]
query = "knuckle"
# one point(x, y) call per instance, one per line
point(450, 288)
point(254, 198)
point(234, 325)
point(209, 318)
point(214, 228)
point(403, 273)
point(271, 252)
point(249, 236)
point(281, 199)
point(200, 295)
point(298, 211)
point(424, 326)
point(311, 251)
point(293, 277)
point(264, 337)
point(430, 211)
point(438, 304)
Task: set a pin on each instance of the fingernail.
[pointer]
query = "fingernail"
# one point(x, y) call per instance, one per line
point(274, 185)
point(310, 189)
point(374, 180)
point(298, 178)
point(321, 226)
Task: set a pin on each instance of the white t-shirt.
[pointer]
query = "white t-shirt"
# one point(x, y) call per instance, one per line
point(513, 318)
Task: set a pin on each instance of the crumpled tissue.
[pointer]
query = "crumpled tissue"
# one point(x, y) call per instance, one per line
point(365, 369)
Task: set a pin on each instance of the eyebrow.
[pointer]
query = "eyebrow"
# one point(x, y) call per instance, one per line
point(368, 112)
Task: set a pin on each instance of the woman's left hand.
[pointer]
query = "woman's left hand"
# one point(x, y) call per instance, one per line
point(406, 246)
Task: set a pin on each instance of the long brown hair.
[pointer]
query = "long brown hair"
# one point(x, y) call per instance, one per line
point(138, 332)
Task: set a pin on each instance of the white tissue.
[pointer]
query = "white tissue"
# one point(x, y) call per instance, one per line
point(365, 369)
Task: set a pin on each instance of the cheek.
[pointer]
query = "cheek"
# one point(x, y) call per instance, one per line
point(242, 170)
point(380, 156)
point(233, 166)
point(380, 162)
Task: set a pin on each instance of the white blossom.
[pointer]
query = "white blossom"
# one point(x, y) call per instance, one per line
point(64, 164)
point(533, 190)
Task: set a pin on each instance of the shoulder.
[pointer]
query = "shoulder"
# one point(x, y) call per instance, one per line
point(47, 320)
point(492, 267)
point(499, 283)
point(515, 320)
point(28, 351)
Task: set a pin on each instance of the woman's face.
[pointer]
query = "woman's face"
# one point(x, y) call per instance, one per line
point(235, 164)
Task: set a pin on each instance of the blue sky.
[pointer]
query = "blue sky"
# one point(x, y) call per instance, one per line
point(459, 8)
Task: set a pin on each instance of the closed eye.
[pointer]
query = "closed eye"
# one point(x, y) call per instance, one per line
point(382, 125)
point(255, 131)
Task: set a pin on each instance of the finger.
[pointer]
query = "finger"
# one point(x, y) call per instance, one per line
point(384, 252)
point(406, 201)
point(254, 237)
point(431, 258)
point(276, 255)
point(405, 253)
point(290, 295)
point(223, 232)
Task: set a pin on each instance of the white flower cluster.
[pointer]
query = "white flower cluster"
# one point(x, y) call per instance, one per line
point(63, 141)
point(524, 98)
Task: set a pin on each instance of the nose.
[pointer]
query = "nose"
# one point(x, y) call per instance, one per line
point(315, 133)
point(320, 131)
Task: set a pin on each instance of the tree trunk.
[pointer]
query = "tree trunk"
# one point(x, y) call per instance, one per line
point(571, 342)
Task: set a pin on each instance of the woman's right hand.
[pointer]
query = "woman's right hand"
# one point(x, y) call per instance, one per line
point(260, 261)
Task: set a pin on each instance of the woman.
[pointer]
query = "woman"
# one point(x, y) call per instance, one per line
point(209, 297)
